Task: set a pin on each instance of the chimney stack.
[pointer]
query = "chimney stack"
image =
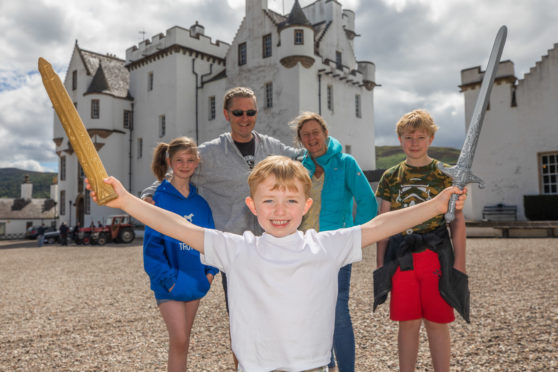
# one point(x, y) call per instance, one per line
point(26, 189)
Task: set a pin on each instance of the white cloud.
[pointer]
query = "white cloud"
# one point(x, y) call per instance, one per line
point(419, 48)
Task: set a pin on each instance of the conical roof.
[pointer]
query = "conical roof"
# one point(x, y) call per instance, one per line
point(99, 84)
point(297, 17)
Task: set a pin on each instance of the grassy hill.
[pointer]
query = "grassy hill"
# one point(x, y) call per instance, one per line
point(12, 178)
point(388, 156)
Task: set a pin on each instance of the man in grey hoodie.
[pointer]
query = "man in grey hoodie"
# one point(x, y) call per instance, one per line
point(226, 162)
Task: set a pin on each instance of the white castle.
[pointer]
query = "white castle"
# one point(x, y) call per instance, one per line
point(173, 85)
point(517, 152)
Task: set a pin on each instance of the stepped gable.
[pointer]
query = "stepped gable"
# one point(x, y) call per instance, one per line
point(320, 29)
point(550, 53)
point(108, 68)
point(275, 17)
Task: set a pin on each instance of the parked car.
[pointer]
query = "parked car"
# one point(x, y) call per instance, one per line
point(52, 237)
point(33, 231)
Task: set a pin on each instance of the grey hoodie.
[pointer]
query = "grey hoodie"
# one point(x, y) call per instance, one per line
point(221, 178)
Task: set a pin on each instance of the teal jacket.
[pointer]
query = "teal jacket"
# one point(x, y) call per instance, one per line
point(344, 180)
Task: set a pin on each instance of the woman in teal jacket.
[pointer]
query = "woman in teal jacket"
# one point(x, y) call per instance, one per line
point(337, 180)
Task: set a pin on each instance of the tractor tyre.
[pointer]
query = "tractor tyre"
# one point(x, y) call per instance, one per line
point(126, 235)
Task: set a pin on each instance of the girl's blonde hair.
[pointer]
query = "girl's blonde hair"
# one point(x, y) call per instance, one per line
point(163, 151)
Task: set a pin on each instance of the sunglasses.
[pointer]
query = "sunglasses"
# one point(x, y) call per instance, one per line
point(239, 113)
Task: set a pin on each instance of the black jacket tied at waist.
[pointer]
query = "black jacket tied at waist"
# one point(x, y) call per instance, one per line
point(453, 284)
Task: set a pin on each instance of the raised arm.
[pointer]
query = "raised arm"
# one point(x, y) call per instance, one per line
point(390, 223)
point(164, 221)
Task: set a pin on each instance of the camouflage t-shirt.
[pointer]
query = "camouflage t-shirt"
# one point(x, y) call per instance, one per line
point(404, 186)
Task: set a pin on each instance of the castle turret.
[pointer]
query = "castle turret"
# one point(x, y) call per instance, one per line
point(297, 39)
point(196, 29)
point(368, 71)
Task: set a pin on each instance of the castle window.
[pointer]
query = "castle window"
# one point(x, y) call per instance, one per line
point(299, 37)
point(87, 203)
point(212, 108)
point(62, 168)
point(241, 54)
point(358, 111)
point(62, 202)
point(268, 95)
point(266, 46)
point(162, 125)
point(81, 177)
point(150, 81)
point(513, 99)
point(127, 121)
point(140, 148)
point(95, 109)
point(330, 97)
point(548, 165)
point(74, 80)
point(339, 60)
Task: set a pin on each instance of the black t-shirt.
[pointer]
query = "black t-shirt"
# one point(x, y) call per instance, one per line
point(247, 149)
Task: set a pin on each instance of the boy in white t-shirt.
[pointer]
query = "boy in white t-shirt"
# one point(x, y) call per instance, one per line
point(283, 284)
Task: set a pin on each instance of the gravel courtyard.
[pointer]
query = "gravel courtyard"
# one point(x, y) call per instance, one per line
point(90, 308)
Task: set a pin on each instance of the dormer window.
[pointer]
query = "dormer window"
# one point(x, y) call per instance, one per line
point(299, 37)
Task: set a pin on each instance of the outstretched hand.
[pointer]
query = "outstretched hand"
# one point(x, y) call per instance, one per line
point(446, 194)
point(118, 188)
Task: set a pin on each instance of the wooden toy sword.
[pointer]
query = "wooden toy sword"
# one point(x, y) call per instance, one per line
point(461, 172)
point(76, 132)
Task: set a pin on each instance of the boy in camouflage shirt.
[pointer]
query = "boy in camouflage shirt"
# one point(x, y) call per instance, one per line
point(425, 274)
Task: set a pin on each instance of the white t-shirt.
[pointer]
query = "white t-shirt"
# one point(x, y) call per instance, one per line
point(282, 294)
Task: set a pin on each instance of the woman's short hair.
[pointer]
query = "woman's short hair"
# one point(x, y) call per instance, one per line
point(298, 122)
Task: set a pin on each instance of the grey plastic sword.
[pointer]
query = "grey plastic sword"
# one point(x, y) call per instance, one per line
point(461, 172)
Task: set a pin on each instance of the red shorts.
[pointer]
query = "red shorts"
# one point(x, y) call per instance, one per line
point(415, 293)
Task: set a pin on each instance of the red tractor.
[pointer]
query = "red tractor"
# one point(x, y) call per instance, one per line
point(117, 229)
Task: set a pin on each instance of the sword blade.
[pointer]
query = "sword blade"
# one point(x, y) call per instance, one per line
point(76, 132)
point(470, 144)
point(461, 172)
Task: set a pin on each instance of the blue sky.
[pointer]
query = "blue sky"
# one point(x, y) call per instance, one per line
point(419, 48)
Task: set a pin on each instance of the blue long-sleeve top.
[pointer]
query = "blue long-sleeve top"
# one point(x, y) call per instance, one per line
point(344, 180)
point(170, 262)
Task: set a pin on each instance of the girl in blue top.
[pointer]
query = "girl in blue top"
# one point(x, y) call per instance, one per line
point(178, 278)
point(337, 181)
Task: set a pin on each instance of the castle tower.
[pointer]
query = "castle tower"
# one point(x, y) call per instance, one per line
point(297, 39)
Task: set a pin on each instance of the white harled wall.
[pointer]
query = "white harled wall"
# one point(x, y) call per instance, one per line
point(513, 137)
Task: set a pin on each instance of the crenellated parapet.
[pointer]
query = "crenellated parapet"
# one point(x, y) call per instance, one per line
point(364, 76)
point(471, 78)
point(177, 39)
